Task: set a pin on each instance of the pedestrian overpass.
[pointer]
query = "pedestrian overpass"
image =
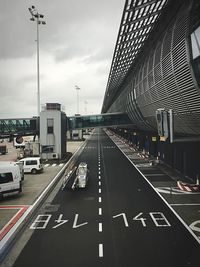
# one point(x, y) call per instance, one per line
point(30, 126)
point(94, 121)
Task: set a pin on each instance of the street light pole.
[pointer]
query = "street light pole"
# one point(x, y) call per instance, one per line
point(77, 89)
point(38, 67)
point(38, 18)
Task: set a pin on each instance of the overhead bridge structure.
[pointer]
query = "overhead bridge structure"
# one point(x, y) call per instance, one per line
point(30, 126)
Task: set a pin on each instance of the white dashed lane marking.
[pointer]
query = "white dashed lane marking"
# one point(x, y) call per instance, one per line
point(100, 250)
point(100, 211)
point(100, 227)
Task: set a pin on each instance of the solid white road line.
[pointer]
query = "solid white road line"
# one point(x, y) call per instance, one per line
point(189, 204)
point(155, 174)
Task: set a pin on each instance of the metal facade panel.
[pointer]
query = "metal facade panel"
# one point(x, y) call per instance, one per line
point(138, 20)
point(164, 78)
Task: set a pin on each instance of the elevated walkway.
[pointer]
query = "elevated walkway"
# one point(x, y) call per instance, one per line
point(30, 126)
point(21, 126)
point(94, 121)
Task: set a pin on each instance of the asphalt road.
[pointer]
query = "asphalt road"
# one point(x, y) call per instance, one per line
point(119, 220)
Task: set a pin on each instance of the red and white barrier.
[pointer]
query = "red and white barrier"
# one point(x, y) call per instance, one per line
point(188, 187)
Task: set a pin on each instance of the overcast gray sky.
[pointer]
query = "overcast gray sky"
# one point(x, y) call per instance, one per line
point(76, 48)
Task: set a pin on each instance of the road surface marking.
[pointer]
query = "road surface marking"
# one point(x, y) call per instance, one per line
point(99, 183)
point(75, 225)
point(100, 250)
point(100, 211)
point(53, 165)
point(61, 164)
point(42, 218)
point(99, 199)
point(99, 190)
point(155, 174)
point(159, 217)
point(136, 218)
point(14, 219)
point(187, 204)
point(100, 227)
point(174, 191)
point(46, 165)
point(124, 217)
point(195, 226)
point(60, 221)
point(99, 177)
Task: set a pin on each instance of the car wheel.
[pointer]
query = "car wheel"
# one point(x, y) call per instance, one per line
point(33, 171)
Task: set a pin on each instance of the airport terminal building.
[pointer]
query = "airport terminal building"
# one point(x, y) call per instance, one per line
point(156, 65)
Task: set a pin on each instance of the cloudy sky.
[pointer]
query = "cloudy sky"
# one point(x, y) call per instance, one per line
point(76, 48)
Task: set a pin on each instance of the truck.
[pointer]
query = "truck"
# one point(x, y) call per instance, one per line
point(10, 178)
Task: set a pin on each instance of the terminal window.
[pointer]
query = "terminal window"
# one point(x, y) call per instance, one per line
point(50, 124)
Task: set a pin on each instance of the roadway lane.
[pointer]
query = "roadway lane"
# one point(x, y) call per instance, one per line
point(119, 220)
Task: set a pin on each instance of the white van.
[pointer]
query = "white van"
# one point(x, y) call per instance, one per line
point(32, 165)
point(10, 178)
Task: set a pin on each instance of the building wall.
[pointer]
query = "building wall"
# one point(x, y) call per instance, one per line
point(51, 139)
point(165, 79)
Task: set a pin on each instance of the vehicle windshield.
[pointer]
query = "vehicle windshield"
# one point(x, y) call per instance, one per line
point(81, 170)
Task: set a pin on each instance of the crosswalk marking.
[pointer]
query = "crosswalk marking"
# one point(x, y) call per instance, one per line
point(46, 165)
point(61, 164)
point(53, 165)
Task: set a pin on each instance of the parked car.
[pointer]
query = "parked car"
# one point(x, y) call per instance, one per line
point(81, 179)
point(10, 178)
point(32, 165)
